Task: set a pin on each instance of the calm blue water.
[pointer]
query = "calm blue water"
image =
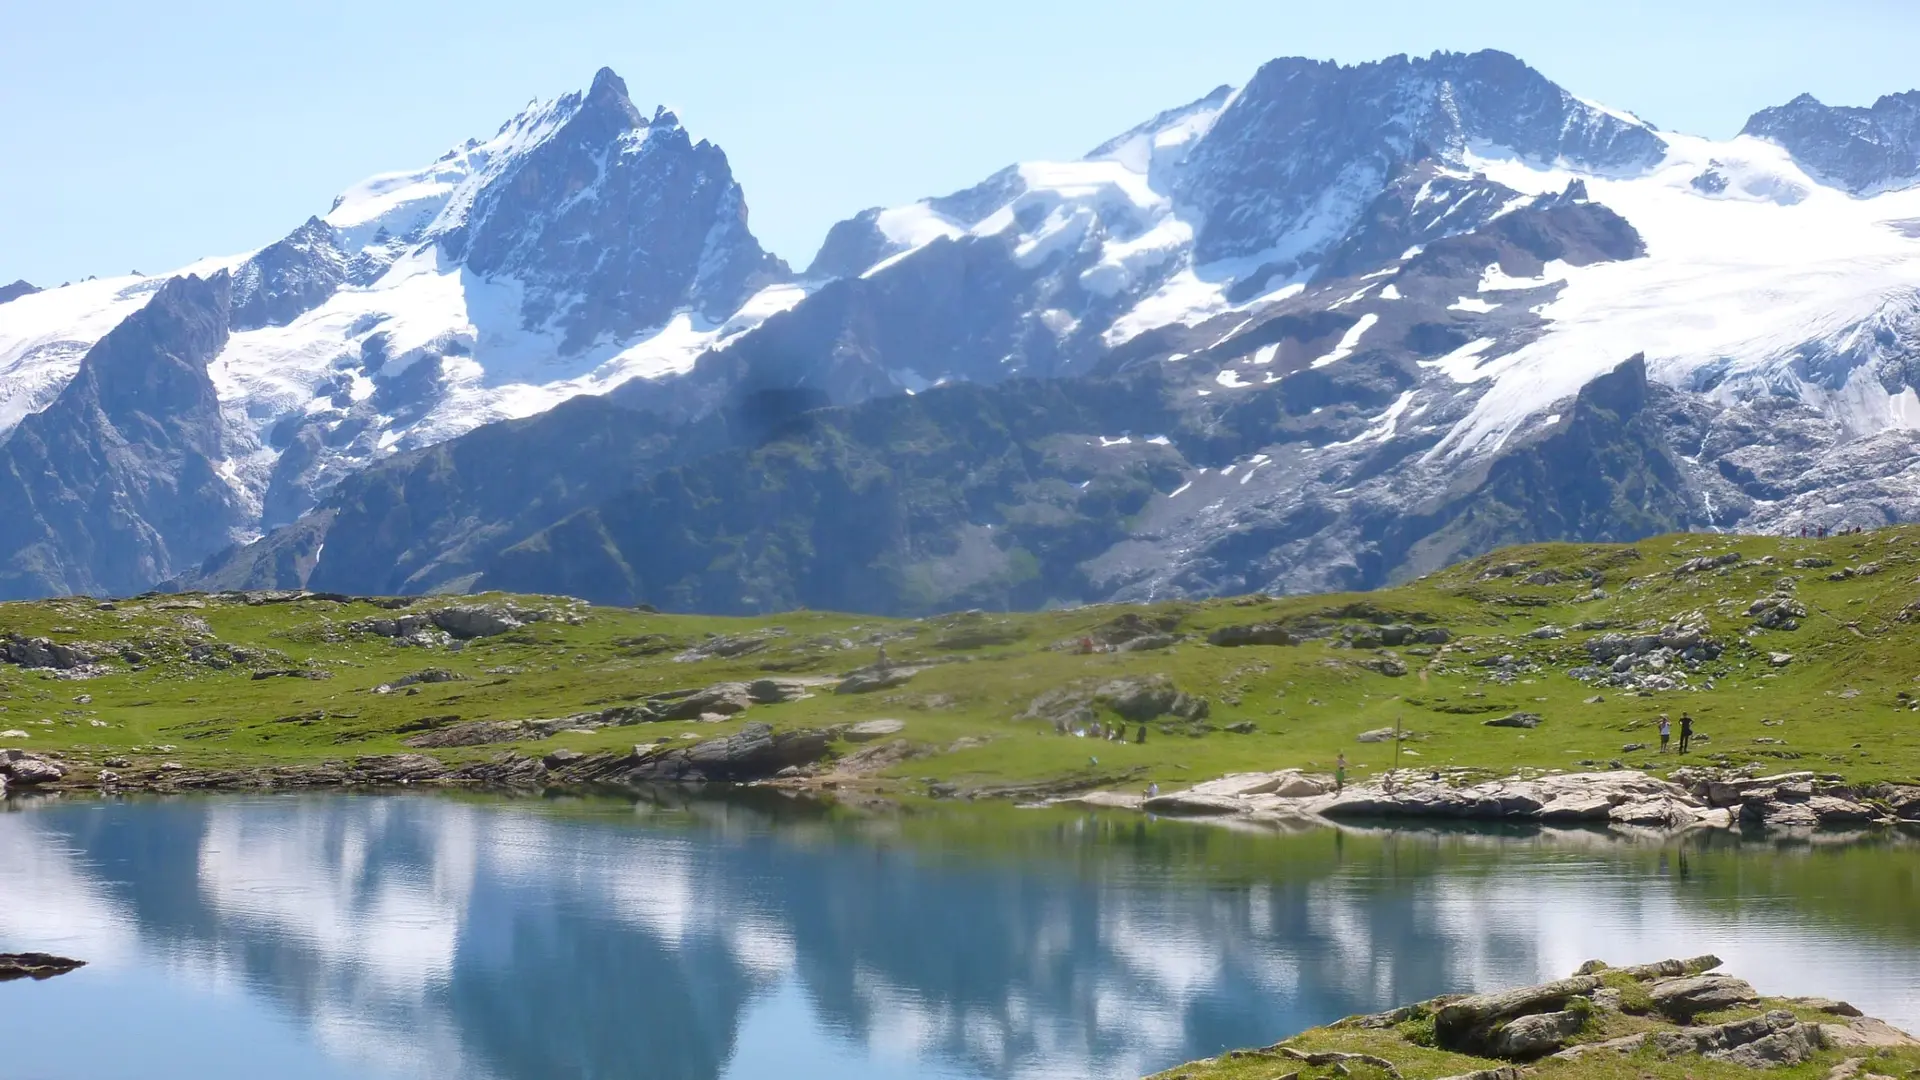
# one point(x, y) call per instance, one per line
point(414, 936)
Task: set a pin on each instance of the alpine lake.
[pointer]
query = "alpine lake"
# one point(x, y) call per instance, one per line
point(407, 936)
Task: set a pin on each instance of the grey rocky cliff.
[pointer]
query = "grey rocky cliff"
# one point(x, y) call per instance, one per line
point(286, 279)
point(1863, 150)
point(17, 289)
point(117, 484)
point(615, 222)
point(1365, 123)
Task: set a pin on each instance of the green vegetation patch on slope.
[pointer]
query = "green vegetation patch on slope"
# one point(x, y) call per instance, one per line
point(1788, 653)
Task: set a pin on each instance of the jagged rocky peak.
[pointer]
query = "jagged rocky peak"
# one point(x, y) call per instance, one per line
point(1863, 150)
point(1298, 154)
point(286, 279)
point(612, 222)
point(18, 289)
point(117, 485)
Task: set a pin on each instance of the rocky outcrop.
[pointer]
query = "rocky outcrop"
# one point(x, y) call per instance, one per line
point(1256, 187)
point(18, 288)
point(1683, 997)
point(1796, 800)
point(287, 279)
point(1534, 1036)
point(1601, 1014)
point(1862, 150)
point(1475, 1024)
point(39, 652)
point(1138, 700)
point(755, 752)
point(1774, 1039)
point(1622, 797)
point(718, 700)
point(35, 965)
point(19, 769)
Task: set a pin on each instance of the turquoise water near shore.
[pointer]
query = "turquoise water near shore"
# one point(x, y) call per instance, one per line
point(326, 936)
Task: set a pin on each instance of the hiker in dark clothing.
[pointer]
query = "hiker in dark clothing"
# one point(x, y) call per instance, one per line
point(1141, 735)
point(1686, 732)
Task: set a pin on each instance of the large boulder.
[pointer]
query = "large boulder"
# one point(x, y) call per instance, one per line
point(1149, 697)
point(22, 769)
point(755, 752)
point(39, 652)
point(720, 699)
point(776, 691)
point(1537, 1035)
point(1720, 1038)
point(1788, 1046)
point(1866, 1033)
point(1685, 997)
point(476, 621)
point(1465, 1024)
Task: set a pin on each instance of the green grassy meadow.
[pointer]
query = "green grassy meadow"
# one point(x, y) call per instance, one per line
point(185, 676)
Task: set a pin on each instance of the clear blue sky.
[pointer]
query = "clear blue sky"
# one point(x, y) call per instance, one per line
point(142, 135)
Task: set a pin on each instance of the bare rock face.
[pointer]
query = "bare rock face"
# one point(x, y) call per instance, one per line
point(1621, 797)
point(1684, 997)
point(21, 769)
point(1537, 1035)
point(721, 699)
point(1863, 150)
point(1866, 1033)
point(475, 621)
point(616, 222)
point(116, 485)
point(1467, 1024)
point(39, 652)
point(755, 752)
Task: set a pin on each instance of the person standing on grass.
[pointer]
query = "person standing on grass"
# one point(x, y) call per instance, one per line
point(1666, 731)
point(1686, 731)
point(1339, 773)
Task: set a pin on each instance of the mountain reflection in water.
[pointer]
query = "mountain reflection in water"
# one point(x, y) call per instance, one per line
point(335, 936)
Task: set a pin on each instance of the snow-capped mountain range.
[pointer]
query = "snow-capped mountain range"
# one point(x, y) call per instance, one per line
point(1358, 296)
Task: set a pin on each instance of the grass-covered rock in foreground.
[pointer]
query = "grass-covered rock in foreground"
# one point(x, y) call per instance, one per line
point(1790, 655)
point(1674, 1019)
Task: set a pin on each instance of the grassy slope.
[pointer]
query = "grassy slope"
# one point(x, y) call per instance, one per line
point(1853, 655)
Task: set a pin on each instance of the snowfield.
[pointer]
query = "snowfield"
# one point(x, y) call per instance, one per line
point(1740, 289)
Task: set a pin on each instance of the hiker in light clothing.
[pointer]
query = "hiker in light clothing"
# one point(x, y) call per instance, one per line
point(1666, 731)
point(1339, 773)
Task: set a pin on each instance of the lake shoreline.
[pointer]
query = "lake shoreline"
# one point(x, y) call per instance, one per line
point(1619, 799)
